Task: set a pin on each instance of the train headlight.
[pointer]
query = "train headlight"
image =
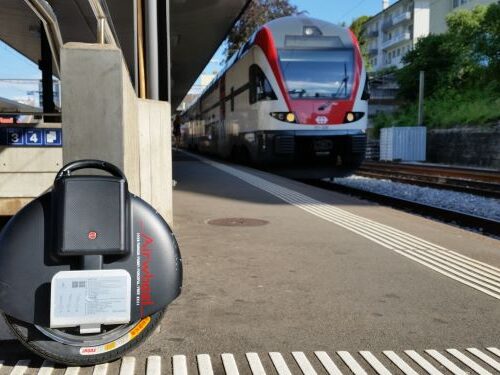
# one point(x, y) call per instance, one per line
point(285, 117)
point(312, 31)
point(353, 116)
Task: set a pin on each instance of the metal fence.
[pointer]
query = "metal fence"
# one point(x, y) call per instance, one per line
point(403, 143)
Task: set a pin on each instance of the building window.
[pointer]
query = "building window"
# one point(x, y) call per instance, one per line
point(260, 87)
point(399, 52)
point(456, 3)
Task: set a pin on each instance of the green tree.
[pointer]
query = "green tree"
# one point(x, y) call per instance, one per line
point(357, 27)
point(434, 55)
point(257, 14)
point(489, 41)
point(467, 56)
point(465, 29)
point(462, 69)
point(358, 30)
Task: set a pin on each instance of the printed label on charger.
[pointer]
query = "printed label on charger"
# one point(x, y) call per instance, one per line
point(90, 297)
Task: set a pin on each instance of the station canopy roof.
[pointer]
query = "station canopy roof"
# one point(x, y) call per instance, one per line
point(197, 28)
point(11, 106)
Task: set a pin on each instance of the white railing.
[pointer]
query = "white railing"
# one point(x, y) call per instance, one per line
point(397, 38)
point(104, 25)
point(46, 15)
point(405, 16)
point(395, 20)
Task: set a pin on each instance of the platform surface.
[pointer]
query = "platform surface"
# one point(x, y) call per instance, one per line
point(325, 273)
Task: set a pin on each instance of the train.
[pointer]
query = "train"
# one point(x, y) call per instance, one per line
point(293, 99)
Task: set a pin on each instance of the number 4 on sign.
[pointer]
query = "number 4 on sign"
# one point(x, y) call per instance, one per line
point(33, 137)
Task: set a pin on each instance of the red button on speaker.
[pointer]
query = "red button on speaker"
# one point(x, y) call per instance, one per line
point(92, 235)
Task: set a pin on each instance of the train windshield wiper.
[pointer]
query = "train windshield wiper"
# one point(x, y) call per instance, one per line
point(301, 92)
point(343, 85)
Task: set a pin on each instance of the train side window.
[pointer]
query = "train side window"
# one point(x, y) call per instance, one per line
point(260, 87)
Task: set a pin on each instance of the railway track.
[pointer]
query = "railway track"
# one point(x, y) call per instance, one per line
point(480, 182)
point(472, 222)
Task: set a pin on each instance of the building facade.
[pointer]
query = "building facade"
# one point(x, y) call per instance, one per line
point(441, 8)
point(394, 31)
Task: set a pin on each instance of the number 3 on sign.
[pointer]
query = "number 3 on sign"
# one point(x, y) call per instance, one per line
point(15, 137)
point(34, 137)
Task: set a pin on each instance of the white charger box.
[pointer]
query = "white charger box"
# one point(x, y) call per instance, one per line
point(89, 298)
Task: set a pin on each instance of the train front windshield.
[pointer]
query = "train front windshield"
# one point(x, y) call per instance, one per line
point(321, 74)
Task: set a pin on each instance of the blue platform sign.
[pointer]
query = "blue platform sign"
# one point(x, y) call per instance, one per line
point(52, 137)
point(34, 137)
point(15, 137)
point(30, 137)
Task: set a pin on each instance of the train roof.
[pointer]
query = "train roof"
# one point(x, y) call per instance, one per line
point(284, 27)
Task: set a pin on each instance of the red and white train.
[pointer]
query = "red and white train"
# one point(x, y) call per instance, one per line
point(293, 99)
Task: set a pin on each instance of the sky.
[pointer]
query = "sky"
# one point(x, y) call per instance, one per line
point(13, 65)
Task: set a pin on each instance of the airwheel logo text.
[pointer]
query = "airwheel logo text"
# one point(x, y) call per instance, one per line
point(144, 275)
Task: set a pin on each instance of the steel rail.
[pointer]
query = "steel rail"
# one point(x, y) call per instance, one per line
point(467, 221)
point(474, 181)
point(451, 171)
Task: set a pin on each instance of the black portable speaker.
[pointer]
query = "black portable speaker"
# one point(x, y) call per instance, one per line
point(91, 211)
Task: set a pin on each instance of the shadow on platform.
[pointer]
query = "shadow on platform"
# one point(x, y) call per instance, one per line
point(12, 351)
point(193, 176)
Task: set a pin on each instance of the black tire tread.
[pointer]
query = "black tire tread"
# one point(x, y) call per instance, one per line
point(81, 360)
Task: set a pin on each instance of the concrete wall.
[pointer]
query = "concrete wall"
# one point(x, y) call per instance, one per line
point(439, 11)
point(103, 119)
point(421, 19)
point(465, 146)
point(25, 173)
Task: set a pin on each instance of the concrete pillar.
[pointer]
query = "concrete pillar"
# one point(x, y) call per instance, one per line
point(155, 155)
point(100, 114)
point(103, 119)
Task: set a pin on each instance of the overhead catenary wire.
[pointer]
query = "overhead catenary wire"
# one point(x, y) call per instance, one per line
point(352, 9)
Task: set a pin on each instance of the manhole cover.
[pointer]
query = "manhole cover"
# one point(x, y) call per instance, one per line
point(238, 222)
